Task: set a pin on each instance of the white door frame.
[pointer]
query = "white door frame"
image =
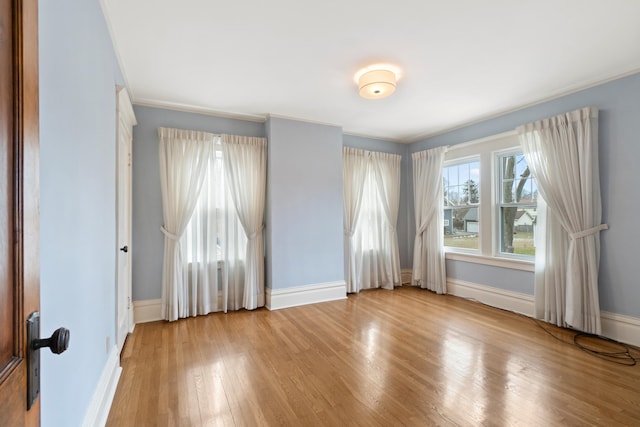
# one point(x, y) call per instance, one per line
point(126, 120)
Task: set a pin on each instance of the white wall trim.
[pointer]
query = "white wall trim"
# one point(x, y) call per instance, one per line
point(98, 411)
point(495, 297)
point(189, 108)
point(297, 119)
point(307, 294)
point(625, 329)
point(560, 94)
point(151, 310)
point(621, 328)
point(148, 310)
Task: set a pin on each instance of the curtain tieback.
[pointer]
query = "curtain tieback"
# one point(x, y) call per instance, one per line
point(253, 235)
point(588, 231)
point(348, 233)
point(169, 235)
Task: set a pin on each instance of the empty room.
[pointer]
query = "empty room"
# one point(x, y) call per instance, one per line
point(328, 213)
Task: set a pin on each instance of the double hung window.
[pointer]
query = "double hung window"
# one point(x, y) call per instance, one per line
point(490, 202)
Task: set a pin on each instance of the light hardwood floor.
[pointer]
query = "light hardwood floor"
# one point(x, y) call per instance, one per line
point(380, 358)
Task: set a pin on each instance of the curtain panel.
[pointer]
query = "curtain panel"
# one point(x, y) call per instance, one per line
point(354, 172)
point(184, 156)
point(245, 159)
point(371, 183)
point(428, 253)
point(213, 189)
point(562, 153)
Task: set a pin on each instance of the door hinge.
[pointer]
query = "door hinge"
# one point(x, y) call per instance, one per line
point(128, 302)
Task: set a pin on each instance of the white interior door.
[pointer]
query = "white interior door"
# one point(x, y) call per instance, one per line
point(124, 314)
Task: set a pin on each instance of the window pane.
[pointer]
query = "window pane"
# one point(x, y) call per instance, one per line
point(474, 172)
point(461, 228)
point(518, 230)
point(463, 173)
point(517, 223)
point(461, 184)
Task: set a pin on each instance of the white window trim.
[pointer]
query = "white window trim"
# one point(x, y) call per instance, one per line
point(486, 150)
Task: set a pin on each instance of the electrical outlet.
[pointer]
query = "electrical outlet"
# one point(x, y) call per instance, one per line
point(108, 343)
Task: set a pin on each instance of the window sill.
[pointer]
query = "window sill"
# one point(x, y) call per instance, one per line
point(514, 264)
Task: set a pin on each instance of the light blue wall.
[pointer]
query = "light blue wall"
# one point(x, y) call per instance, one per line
point(304, 204)
point(147, 244)
point(497, 277)
point(405, 240)
point(78, 77)
point(619, 149)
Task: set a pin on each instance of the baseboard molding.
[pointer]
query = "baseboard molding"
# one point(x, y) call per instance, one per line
point(621, 328)
point(615, 326)
point(148, 310)
point(495, 297)
point(303, 295)
point(151, 310)
point(102, 398)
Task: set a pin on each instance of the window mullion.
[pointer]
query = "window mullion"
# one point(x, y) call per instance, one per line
point(486, 203)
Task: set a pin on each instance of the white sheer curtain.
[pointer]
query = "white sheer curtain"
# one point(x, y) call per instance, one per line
point(214, 244)
point(428, 252)
point(354, 172)
point(386, 174)
point(562, 153)
point(371, 203)
point(184, 156)
point(245, 172)
point(214, 266)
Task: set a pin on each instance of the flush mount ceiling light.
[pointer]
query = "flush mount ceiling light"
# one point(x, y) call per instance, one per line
point(376, 83)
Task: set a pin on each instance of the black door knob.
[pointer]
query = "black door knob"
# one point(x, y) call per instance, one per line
point(58, 342)
point(125, 248)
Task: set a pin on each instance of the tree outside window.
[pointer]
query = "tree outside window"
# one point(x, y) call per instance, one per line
point(518, 216)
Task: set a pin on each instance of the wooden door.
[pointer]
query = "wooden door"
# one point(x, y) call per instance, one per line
point(126, 121)
point(19, 195)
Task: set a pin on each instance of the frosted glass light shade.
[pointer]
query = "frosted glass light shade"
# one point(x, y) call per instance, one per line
point(376, 84)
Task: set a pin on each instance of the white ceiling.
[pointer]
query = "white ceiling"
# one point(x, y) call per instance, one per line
point(460, 61)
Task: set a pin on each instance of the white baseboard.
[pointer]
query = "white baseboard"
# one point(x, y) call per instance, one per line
point(102, 398)
point(495, 297)
point(151, 310)
point(303, 295)
point(618, 327)
point(615, 326)
point(148, 310)
point(621, 328)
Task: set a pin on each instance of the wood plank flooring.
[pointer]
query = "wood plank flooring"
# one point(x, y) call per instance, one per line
point(379, 358)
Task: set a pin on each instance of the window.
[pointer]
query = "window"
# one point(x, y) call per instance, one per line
point(215, 212)
point(490, 203)
point(461, 200)
point(518, 195)
point(371, 219)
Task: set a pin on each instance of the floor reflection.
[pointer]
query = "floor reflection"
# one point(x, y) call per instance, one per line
point(463, 375)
